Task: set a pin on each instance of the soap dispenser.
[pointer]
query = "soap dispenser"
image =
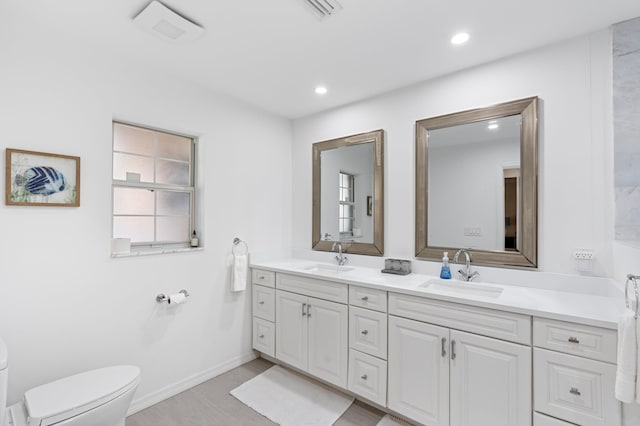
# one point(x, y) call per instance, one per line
point(445, 271)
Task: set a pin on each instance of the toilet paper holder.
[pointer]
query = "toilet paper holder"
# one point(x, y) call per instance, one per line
point(161, 297)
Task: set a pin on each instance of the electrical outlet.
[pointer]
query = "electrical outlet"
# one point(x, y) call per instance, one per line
point(583, 254)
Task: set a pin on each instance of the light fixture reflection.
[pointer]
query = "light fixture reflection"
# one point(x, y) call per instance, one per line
point(460, 38)
point(321, 90)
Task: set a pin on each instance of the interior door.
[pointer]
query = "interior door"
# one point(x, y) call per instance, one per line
point(291, 328)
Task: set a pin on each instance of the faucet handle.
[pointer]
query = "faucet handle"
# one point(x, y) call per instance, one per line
point(473, 275)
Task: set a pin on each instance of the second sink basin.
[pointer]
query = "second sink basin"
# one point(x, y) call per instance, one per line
point(326, 268)
point(461, 287)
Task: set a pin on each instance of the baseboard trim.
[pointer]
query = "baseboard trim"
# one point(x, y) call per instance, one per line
point(148, 400)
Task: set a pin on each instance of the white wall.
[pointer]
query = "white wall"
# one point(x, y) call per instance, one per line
point(573, 81)
point(65, 304)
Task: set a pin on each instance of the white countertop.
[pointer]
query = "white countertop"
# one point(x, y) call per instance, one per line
point(588, 309)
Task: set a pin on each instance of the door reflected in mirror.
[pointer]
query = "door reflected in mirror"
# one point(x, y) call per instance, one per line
point(348, 195)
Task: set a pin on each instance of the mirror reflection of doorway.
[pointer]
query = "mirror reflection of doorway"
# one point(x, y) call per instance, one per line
point(511, 216)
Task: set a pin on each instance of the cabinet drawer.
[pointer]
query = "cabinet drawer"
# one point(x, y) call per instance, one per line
point(483, 321)
point(264, 302)
point(591, 342)
point(262, 277)
point(368, 331)
point(368, 298)
point(542, 420)
point(368, 377)
point(327, 290)
point(575, 389)
point(264, 336)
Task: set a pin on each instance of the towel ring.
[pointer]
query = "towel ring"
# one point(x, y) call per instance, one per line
point(634, 280)
point(237, 242)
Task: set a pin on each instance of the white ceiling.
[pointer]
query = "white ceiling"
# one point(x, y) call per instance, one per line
point(273, 53)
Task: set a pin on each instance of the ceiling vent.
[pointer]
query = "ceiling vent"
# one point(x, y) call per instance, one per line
point(324, 8)
point(159, 20)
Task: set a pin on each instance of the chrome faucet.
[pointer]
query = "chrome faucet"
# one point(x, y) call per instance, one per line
point(466, 274)
point(339, 258)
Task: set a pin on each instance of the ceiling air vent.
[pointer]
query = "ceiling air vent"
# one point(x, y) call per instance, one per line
point(324, 8)
point(159, 20)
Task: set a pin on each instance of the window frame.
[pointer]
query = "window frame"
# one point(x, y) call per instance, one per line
point(352, 193)
point(152, 186)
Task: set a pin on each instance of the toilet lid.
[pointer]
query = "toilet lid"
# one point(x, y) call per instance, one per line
point(76, 394)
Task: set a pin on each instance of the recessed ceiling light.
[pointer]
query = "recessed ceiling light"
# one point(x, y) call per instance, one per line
point(321, 90)
point(460, 38)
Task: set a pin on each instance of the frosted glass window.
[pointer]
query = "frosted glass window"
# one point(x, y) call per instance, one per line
point(134, 140)
point(172, 203)
point(172, 228)
point(138, 228)
point(172, 172)
point(123, 163)
point(133, 201)
point(156, 209)
point(173, 147)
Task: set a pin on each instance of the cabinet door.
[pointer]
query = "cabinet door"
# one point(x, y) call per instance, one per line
point(490, 382)
point(418, 366)
point(291, 329)
point(328, 346)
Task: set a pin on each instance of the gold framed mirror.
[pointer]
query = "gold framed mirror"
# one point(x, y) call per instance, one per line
point(476, 184)
point(348, 194)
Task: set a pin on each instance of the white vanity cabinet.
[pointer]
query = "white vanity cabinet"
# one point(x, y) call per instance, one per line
point(263, 302)
point(575, 373)
point(311, 333)
point(439, 375)
point(368, 343)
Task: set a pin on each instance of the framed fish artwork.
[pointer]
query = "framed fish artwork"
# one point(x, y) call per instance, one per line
point(42, 179)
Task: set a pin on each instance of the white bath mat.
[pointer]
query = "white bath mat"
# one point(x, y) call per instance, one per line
point(290, 399)
point(390, 420)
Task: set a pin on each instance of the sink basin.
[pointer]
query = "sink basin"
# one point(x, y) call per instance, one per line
point(325, 268)
point(463, 288)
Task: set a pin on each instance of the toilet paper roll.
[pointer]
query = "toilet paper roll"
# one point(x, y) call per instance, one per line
point(176, 299)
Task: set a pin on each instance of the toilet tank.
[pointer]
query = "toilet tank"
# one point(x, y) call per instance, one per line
point(4, 377)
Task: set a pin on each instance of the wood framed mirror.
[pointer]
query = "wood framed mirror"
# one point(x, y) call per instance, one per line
point(348, 194)
point(476, 184)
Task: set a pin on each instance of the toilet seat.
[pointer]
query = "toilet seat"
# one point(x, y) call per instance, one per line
point(65, 398)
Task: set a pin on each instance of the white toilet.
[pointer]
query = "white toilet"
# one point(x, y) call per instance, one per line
point(95, 398)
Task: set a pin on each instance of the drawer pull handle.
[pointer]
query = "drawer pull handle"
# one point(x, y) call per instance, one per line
point(575, 391)
point(261, 277)
point(444, 347)
point(365, 298)
point(453, 349)
point(303, 312)
point(365, 332)
point(262, 336)
point(261, 302)
point(363, 377)
point(573, 340)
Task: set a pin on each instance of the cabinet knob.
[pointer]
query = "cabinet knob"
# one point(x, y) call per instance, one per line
point(363, 377)
point(261, 302)
point(573, 340)
point(575, 391)
point(365, 332)
point(261, 336)
point(365, 298)
point(261, 277)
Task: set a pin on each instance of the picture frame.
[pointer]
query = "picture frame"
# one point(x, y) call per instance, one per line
point(41, 179)
point(369, 205)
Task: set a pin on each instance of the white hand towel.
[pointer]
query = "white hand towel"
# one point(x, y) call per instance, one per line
point(239, 272)
point(637, 323)
point(626, 374)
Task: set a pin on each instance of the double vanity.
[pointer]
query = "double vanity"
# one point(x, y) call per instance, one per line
point(442, 352)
